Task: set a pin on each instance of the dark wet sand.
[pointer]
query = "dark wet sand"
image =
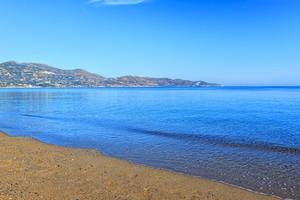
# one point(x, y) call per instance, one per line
point(32, 170)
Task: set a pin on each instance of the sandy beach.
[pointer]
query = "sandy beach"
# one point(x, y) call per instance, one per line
point(30, 170)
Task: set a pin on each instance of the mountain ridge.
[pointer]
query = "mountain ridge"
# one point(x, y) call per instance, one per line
point(31, 75)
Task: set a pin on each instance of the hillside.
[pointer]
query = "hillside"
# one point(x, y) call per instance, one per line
point(13, 74)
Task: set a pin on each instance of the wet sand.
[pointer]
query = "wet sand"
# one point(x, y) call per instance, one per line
point(30, 170)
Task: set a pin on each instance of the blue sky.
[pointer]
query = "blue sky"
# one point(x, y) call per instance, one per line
point(234, 42)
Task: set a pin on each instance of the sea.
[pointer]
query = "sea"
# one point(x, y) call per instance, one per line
point(244, 136)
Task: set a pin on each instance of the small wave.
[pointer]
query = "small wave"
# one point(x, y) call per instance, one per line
point(220, 140)
point(209, 139)
point(41, 117)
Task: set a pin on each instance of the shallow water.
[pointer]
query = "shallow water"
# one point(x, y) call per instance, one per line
point(246, 136)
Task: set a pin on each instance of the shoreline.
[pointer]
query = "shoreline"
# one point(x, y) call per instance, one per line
point(128, 86)
point(31, 169)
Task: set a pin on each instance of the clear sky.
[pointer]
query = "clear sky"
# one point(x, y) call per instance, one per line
point(234, 42)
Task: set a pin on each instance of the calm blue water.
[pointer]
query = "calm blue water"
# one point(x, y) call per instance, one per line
point(246, 136)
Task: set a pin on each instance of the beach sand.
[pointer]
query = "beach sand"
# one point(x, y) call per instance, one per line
point(30, 169)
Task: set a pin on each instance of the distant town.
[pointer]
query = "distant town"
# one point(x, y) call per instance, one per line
point(32, 75)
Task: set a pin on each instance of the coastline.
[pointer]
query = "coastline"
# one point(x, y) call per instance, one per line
point(30, 169)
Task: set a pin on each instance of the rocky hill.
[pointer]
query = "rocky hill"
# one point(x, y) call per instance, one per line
point(13, 74)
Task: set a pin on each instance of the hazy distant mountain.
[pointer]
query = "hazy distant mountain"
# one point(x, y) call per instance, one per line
point(13, 74)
